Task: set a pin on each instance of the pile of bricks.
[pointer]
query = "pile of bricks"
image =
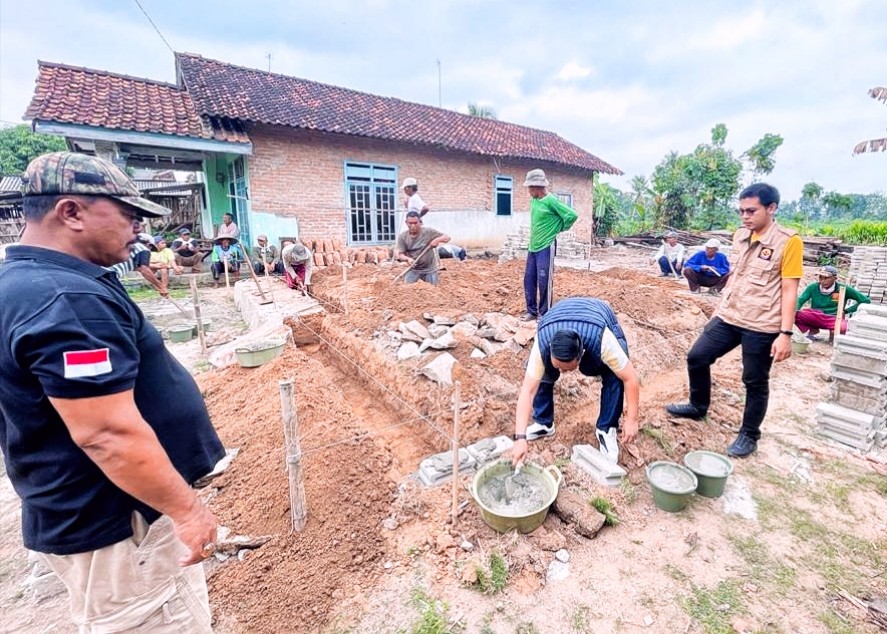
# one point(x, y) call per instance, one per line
point(329, 252)
point(868, 272)
point(856, 413)
point(515, 243)
point(571, 248)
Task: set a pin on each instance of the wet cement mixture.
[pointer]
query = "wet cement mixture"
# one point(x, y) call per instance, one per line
point(374, 538)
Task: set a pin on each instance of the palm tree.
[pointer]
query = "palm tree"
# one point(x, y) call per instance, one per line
point(880, 94)
point(484, 112)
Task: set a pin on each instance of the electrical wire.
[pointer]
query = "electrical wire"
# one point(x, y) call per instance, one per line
point(139, 4)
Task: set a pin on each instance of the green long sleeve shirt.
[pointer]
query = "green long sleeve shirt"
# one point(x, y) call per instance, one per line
point(548, 217)
point(828, 302)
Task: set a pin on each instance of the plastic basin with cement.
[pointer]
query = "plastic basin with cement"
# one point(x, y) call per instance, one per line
point(181, 334)
point(672, 485)
point(504, 519)
point(257, 354)
point(711, 471)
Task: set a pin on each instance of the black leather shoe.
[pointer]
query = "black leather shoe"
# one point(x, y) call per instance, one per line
point(742, 447)
point(685, 410)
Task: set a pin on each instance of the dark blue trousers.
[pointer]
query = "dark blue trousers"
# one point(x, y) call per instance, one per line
point(717, 339)
point(666, 269)
point(612, 397)
point(538, 280)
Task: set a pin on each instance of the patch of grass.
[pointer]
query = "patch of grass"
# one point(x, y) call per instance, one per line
point(432, 614)
point(873, 481)
point(526, 627)
point(805, 527)
point(629, 491)
point(714, 608)
point(494, 578)
point(660, 438)
point(146, 293)
point(835, 623)
point(413, 551)
point(605, 508)
point(486, 625)
point(676, 573)
point(762, 567)
point(581, 619)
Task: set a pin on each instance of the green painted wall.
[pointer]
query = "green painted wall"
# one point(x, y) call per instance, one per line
point(218, 192)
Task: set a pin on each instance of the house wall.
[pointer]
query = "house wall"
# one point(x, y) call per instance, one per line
point(300, 174)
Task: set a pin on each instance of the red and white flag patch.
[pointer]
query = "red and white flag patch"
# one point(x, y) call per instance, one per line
point(87, 363)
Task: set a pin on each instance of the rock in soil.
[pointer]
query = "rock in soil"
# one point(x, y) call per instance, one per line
point(573, 507)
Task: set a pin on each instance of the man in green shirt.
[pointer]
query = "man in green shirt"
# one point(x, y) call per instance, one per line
point(548, 217)
point(823, 297)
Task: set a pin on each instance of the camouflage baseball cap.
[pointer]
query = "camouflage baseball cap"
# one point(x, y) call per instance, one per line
point(80, 174)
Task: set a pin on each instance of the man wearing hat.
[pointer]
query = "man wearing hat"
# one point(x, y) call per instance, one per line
point(225, 256)
point(298, 264)
point(548, 217)
point(102, 465)
point(670, 256)
point(264, 256)
point(578, 333)
point(413, 202)
point(709, 268)
point(186, 251)
point(823, 297)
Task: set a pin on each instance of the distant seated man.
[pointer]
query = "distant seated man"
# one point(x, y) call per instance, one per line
point(163, 259)
point(298, 264)
point(823, 297)
point(186, 251)
point(226, 255)
point(670, 256)
point(264, 256)
point(709, 268)
point(451, 251)
point(140, 260)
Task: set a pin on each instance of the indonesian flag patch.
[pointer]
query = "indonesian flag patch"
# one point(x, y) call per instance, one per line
point(87, 363)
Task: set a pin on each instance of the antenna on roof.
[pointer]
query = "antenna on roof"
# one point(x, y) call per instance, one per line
point(439, 101)
point(268, 57)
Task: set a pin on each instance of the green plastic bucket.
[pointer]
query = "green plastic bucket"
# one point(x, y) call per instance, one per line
point(181, 334)
point(672, 485)
point(259, 353)
point(711, 471)
point(550, 477)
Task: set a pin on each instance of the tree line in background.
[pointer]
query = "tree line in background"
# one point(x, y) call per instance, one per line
point(697, 192)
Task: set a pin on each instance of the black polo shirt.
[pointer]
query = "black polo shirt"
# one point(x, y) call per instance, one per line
point(69, 330)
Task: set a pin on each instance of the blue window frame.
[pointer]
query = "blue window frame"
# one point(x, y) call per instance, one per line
point(503, 186)
point(372, 196)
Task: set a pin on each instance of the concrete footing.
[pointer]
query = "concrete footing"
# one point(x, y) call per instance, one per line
point(593, 462)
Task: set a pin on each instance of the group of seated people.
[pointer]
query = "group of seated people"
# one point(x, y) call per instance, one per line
point(708, 268)
point(711, 269)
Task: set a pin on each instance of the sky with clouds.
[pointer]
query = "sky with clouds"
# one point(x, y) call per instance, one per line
point(627, 80)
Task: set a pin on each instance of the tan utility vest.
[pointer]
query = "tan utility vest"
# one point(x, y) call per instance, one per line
point(753, 297)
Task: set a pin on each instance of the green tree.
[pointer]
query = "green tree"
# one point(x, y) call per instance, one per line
point(837, 205)
point(809, 204)
point(606, 208)
point(760, 155)
point(18, 146)
point(484, 112)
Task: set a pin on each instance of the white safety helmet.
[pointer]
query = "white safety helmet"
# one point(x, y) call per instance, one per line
point(409, 182)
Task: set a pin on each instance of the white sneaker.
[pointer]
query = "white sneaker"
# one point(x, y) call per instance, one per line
point(609, 445)
point(535, 431)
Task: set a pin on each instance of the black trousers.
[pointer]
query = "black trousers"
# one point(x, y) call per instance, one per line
point(717, 339)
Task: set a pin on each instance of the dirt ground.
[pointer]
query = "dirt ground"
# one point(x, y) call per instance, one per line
point(800, 529)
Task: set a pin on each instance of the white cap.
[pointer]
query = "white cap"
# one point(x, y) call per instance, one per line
point(713, 243)
point(536, 178)
point(409, 182)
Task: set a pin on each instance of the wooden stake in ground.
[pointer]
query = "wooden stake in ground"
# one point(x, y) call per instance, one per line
point(457, 407)
point(298, 505)
point(227, 282)
point(249, 265)
point(839, 317)
point(195, 298)
point(345, 288)
point(268, 279)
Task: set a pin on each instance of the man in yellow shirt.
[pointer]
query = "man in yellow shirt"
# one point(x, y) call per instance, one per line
point(757, 312)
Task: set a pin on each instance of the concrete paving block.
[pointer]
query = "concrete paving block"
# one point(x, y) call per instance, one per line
point(868, 326)
point(846, 416)
point(593, 462)
point(863, 445)
point(860, 403)
point(853, 375)
point(878, 310)
point(483, 451)
point(438, 468)
point(877, 393)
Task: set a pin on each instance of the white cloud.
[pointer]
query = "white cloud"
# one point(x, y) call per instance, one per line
point(573, 70)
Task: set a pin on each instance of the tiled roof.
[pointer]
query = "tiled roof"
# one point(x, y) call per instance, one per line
point(82, 96)
point(223, 90)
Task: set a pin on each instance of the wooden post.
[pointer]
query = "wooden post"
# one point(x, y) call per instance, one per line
point(196, 299)
point(457, 406)
point(268, 279)
point(227, 282)
point(345, 288)
point(298, 506)
point(249, 265)
point(839, 317)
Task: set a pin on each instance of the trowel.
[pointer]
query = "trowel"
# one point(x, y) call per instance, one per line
point(510, 485)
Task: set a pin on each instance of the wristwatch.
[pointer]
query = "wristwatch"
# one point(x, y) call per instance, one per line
point(786, 332)
point(519, 437)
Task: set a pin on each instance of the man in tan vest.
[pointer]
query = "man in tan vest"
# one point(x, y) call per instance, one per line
point(757, 312)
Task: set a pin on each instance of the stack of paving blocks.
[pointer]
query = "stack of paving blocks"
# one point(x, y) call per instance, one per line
point(868, 272)
point(438, 468)
point(856, 413)
point(515, 243)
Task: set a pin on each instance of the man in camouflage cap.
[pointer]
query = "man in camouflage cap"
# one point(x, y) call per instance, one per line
point(103, 466)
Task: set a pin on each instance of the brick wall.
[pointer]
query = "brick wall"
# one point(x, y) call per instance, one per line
point(301, 173)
